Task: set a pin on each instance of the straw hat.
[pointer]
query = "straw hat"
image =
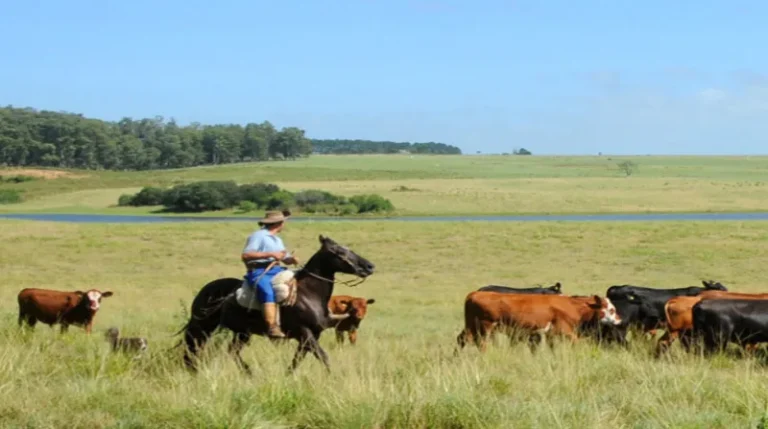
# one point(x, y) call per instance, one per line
point(274, 216)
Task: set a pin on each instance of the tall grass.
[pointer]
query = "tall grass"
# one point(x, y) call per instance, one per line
point(402, 373)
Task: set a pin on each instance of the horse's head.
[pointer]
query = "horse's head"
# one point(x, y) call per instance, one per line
point(344, 260)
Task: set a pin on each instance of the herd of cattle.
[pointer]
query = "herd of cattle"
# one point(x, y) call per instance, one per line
point(710, 313)
point(79, 308)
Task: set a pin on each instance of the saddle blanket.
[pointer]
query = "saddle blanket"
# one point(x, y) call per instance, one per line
point(284, 285)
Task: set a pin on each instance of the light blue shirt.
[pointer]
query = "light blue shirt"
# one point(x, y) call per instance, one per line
point(263, 241)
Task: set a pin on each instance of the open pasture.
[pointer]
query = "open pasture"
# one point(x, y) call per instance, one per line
point(450, 185)
point(402, 372)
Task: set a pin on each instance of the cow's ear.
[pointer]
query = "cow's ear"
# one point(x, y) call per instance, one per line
point(107, 294)
point(597, 302)
point(371, 301)
point(79, 292)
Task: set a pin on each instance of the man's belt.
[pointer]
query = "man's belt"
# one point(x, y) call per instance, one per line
point(257, 265)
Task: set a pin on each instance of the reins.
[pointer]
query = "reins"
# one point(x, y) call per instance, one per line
point(345, 258)
point(344, 282)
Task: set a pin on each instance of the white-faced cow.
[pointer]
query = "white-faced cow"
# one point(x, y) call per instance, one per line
point(55, 306)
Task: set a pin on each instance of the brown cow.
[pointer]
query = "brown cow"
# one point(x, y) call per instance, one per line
point(536, 314)
point(679, 315)
point(356, 307)
point(54, 306)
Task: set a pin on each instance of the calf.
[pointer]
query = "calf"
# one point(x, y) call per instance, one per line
point(719, 321)
point(125, 344)
point(535, 314)
point(356, 307)
point(551, 290)
point(679, 316)
point(53, 306)
point(644, 307)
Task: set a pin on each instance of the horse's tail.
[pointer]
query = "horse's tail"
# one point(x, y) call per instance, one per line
point(206, 314)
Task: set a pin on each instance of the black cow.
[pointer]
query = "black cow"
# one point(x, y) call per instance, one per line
point(720, 321)
point(644, 307)
point(550, 290)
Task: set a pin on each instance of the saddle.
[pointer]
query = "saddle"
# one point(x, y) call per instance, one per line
point(284, 284)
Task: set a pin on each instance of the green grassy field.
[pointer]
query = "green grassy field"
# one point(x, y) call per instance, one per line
point(450, 185)
point(402, 372)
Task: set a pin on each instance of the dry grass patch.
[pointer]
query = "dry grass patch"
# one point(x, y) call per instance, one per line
point(40, 173)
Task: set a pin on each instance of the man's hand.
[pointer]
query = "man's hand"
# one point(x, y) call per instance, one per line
point(291, 260)
point(279, 256)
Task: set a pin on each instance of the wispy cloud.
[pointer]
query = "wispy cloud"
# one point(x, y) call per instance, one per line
point(750, 77)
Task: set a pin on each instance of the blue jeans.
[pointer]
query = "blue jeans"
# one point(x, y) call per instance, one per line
point(264, 291)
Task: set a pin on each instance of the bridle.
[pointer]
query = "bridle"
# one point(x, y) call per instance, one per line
point(345, 258)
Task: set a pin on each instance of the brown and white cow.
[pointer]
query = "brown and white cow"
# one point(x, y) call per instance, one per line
point(679, 315)
point(356, 307)
point(533, 314)
point(55, 306)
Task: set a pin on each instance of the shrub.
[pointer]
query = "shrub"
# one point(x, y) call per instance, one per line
point(149, 196)
point(280, 200)
point(10, 196)
point(371, 203)
point(125, 200)
point(202, 196)
point(258, 193)
point(247, 206)
point(314, 197)
point(403, 188)
point(220, 195)
point(16, 179)
point(318, 201)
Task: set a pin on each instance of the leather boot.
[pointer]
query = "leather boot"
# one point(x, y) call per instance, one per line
point(270, 316)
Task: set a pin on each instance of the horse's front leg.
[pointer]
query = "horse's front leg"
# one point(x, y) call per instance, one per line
point(308, 342)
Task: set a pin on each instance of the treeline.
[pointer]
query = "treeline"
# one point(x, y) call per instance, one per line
point(222, 195)
point(338, 147)
point(29, 137)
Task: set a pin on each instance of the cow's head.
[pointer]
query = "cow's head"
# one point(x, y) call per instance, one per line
point(356, 307)
point(93, 298)
point(606, 311)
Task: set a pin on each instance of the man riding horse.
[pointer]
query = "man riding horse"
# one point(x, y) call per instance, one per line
point(262, 254)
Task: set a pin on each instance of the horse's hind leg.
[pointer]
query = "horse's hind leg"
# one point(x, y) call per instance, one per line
point(195, 337)
point(240, 340)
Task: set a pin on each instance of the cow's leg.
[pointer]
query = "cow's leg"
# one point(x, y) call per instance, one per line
point(339, 336)
point(564, 328)
point(353, 337)
point(64, 328)
point(240, 340)
point(486, 330)
point(89, 327)
point(30, 319)
point(665, 341)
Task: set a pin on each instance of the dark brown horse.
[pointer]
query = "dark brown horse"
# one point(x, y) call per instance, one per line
point(215, 306)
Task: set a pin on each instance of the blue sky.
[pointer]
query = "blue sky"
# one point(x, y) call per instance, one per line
point(553, 76)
